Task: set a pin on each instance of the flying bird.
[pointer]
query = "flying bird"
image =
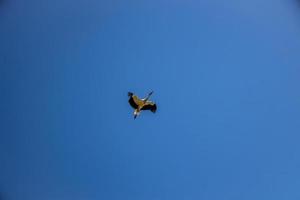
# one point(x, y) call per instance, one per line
point(141, 104)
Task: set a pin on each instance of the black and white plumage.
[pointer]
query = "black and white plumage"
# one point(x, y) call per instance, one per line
point(141, 104)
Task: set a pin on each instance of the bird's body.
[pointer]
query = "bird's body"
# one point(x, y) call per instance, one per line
point(141, 104)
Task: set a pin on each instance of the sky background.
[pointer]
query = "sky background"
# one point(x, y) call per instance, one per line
point(225, 76)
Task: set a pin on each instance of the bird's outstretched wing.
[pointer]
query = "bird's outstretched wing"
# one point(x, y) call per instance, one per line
point(134, 101)
point(149, 105)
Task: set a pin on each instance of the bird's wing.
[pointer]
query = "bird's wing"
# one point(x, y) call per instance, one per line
point(138, 101)
point(132, 102)
point(135, 102)
point(149, 105)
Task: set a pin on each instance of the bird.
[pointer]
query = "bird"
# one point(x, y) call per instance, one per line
point(141, 104)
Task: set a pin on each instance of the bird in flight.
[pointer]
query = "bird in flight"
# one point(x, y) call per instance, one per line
point(141, 104)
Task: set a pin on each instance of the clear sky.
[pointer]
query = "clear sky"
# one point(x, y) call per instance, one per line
point(225, 76)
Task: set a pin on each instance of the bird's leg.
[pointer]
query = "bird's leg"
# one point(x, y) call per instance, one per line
point(146, 99)
point(150, 93)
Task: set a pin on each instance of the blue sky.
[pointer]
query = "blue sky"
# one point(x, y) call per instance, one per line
point(226, 81)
